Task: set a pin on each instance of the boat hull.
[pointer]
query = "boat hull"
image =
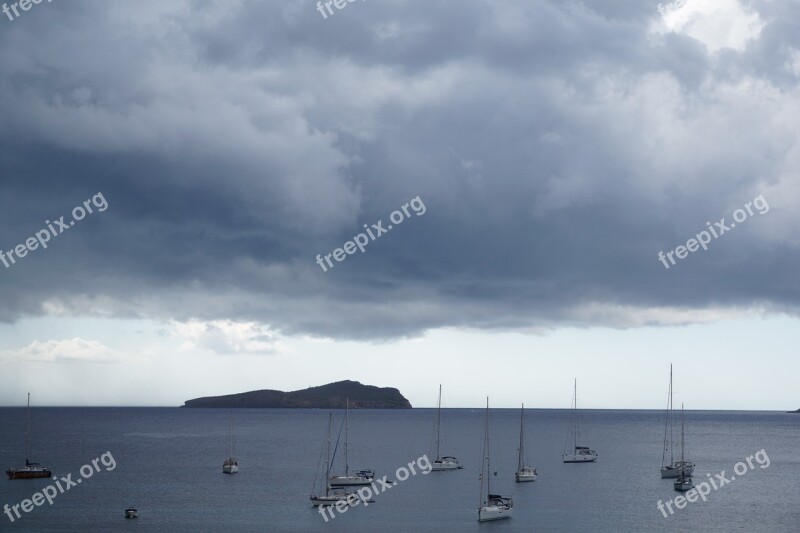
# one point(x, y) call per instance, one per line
point(349, 498)
point(493, 512)
point(323, 501)
point(683, 486)
point(350, 481)
point(524, 477)
point(440, 465)
point(581, 458)
point(28, 473)
point(230, 466)
point(672, 472)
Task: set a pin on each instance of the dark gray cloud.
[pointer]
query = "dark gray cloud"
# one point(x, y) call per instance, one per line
point(557, 148)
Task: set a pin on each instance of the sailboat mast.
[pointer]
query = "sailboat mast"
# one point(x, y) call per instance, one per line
point(346, 432)
point(28, 430)
point(230, 412)
point(671, 416)
point(328, 457)
point(575, 414)
point(667, 428)
point(683, 422)
point(438, 420)
point(488, 455)
point(521, 433)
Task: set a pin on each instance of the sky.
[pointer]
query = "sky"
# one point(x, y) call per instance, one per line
point(532, 192)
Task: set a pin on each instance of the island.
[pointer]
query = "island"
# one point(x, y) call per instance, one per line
point(330, 396)
point(798, 411)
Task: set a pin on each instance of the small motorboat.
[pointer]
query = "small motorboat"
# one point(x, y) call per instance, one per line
point(131, 512)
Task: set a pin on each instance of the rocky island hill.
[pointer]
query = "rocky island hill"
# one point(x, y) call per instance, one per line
point(330, 396)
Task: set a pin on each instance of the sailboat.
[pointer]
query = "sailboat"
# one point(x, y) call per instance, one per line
point(492, 506)
point(524, 472)
point(447, 462)
point(30, 470)
point(230, 466)
point(332, 496)
point(673, 468)
point(360, 477)
point(579, 454)
point(684, 481)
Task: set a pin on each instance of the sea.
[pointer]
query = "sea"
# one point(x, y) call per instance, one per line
point(168, 464)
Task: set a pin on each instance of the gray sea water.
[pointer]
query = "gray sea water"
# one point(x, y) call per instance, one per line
point(169, 461)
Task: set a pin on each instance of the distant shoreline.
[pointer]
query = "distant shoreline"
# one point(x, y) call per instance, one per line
point(432, 407)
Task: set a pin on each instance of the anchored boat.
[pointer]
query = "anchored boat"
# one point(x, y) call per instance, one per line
point(30, 470)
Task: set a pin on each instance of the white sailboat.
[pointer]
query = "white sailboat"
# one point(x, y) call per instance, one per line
point(672, 469)
point(524, 472)
point(230, 466)
point(332, 496)
point(492, 506)
point(684, 480)
point(360, 477)
point(446, 462)
point(578, 454)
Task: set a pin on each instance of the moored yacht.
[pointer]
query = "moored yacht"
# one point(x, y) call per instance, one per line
point(493, 506)
point(524, 472)
point(672, 469)
point(360, 477)
point(332, 496)
point(578, 454)
point(442, 462)
point(684, 480)
point(30, 470)
point(230, 466)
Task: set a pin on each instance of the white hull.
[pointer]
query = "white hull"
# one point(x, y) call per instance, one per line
point(318, 501)
point(446, 465)
point(333, 499)
point(580, 458)
point(350, 481)
point(230, 466)
point(522, 477)
point(493, 512)
point(675, 471)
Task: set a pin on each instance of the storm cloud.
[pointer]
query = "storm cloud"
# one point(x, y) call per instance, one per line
point(557, 146)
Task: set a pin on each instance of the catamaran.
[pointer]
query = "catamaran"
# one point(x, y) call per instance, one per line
point(492, 506)
point(673, 468)
point(684, 481)
point(524, 472)
point(30, 470)
point(578, 454)
point(446, 462)
point(360, 477)
point(230, 466)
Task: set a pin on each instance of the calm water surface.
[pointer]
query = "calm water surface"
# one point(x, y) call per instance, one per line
point(169, 465)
